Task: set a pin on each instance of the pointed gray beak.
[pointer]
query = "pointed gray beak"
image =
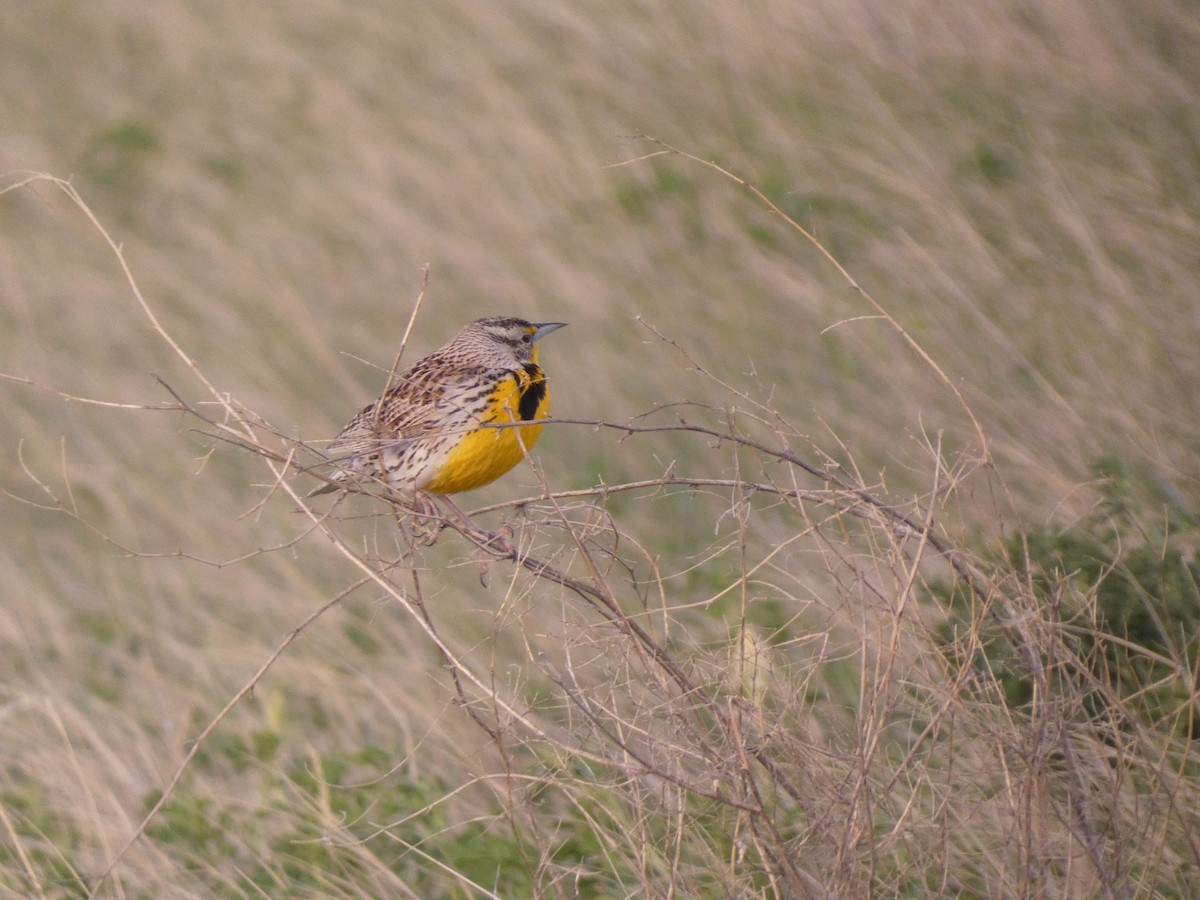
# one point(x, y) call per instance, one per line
point(544, 328)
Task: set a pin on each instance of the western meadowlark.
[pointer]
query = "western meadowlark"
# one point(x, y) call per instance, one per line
point(439, 427)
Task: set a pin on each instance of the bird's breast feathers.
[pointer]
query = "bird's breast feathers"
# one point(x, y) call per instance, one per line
point(495, 441)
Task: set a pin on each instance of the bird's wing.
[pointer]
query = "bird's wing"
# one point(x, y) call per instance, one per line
point(421, 403)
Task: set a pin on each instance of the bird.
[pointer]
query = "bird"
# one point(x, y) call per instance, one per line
point(439, 427)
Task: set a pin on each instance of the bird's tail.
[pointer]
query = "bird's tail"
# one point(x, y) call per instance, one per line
point(325, 489)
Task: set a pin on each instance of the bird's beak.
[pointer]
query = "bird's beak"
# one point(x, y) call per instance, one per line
point(544, 328)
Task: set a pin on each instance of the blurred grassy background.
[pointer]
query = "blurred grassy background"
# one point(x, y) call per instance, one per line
point(1018, 183)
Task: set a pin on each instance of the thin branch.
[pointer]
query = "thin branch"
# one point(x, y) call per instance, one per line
point(845, 274)
point(202, 738)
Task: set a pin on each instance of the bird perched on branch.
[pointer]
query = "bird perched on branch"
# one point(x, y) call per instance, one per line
point(452, 421)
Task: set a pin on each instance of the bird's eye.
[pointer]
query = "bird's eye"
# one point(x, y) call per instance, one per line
point(527, 338)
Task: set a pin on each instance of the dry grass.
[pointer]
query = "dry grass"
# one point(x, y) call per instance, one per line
point(790, 661)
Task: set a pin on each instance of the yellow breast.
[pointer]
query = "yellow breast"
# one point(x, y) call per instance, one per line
point(486, 453)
